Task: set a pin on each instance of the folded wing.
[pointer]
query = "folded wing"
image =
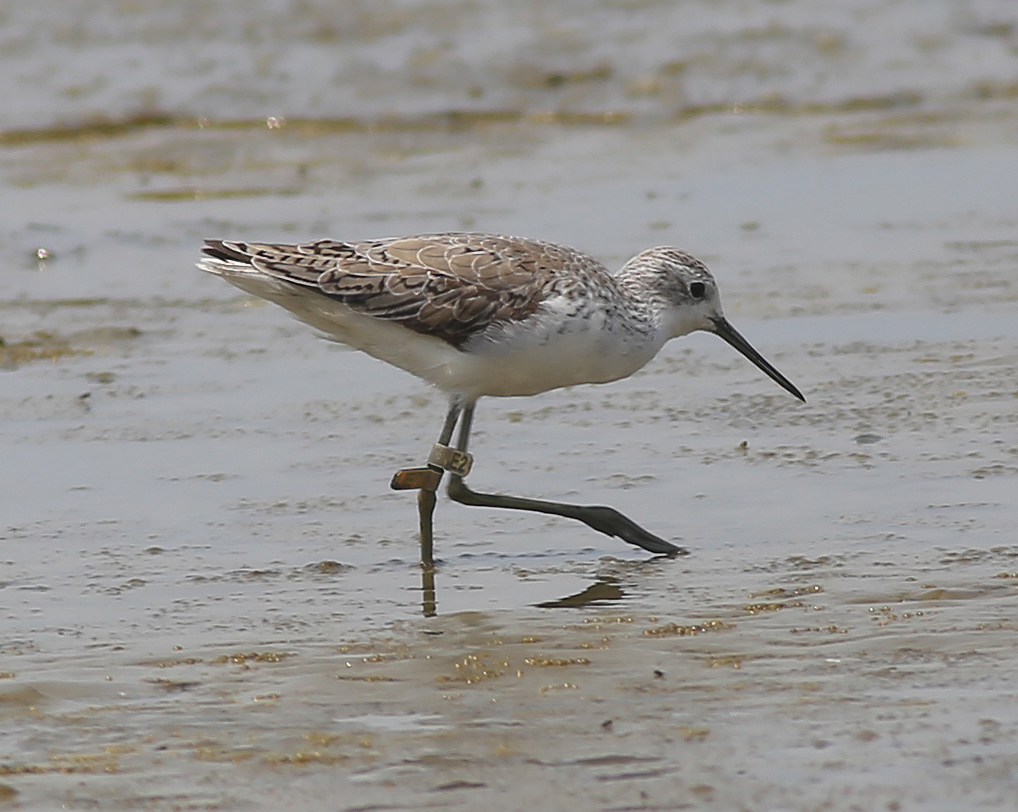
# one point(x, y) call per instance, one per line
point(450, 286)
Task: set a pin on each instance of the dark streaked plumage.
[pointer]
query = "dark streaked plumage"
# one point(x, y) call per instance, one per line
point(450, 286)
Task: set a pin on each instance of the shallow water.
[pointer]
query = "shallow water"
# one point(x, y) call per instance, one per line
point(212, 600)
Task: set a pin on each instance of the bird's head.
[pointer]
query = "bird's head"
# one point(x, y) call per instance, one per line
point(688, 300)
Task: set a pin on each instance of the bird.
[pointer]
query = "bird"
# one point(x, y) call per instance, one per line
point(480, 315)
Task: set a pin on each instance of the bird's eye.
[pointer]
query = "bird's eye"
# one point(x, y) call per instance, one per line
point(697, 289)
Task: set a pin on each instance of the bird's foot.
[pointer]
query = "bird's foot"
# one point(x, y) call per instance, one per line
point(598, 517)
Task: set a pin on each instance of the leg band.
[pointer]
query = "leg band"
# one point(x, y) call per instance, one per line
point(449, 459)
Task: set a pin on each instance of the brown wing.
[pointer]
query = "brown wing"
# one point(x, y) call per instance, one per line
point(450, 286)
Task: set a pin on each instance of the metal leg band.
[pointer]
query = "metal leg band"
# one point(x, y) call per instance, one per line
point(450, 459)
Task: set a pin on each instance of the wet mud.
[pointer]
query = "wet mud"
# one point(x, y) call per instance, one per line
point(212, 600)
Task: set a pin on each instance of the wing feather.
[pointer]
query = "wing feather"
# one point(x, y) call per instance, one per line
point(451, 286)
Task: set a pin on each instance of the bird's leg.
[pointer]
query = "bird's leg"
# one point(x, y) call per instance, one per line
point(425, 511)
point(426, 480)
point(601, 518)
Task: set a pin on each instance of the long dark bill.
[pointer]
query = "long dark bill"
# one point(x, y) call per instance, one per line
point(724, 329)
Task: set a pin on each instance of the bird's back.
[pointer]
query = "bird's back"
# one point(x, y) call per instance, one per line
point(479, 305)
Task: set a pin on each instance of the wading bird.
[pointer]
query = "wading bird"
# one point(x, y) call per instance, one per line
point(483, 314)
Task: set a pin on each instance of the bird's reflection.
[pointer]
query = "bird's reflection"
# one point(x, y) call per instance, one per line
point(605, 590)
point(429, 603)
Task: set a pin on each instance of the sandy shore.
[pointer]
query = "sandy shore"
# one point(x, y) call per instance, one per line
point(211, 599)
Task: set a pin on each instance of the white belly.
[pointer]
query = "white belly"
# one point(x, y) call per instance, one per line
point(524, 358)
point(531, 359)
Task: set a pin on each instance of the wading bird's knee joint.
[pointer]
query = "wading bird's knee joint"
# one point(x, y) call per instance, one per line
point(450, 459)
point(457, 488)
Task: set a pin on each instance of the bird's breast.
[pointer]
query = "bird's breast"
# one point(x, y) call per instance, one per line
point(545, 352)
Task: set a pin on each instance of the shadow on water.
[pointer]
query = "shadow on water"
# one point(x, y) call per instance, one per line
point(429, 600)
point(605, 591)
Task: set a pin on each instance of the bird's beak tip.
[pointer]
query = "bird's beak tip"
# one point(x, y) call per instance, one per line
point(723, 328)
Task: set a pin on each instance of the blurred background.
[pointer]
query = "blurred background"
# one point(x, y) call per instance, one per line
point(187, 474)
point(79, 62)
point(141, 124)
